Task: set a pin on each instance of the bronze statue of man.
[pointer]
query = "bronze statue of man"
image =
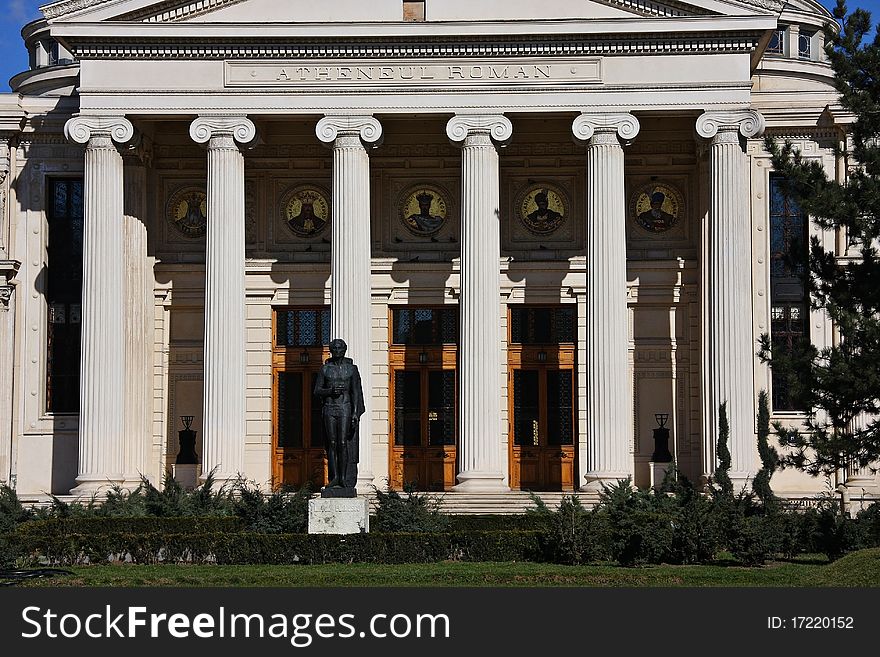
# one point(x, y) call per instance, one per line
point(339, 385)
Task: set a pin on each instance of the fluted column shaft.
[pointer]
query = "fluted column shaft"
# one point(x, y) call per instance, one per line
point(351, 259)
point(728, 369)
point(138, 322)
point(480, 460)
point(609, 391)
point(224, 422)
point(102, 358)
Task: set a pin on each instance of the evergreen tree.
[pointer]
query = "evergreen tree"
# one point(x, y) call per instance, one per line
point(722, 476)
point(769, 456)
point(841, 382)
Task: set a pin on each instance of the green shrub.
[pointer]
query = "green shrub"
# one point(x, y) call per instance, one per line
point(571, 534)
point(412, 512)
point(838, 535)
point(754, 538)
point(870, 520)
point(12, 513)
point(280, 512)
point(696, 532)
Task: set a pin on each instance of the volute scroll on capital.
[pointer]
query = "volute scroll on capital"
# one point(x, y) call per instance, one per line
point(239, 127)
point(585, 126)
point(82, 128)
point(366, 127)
point(498, 126)
point(749, 123)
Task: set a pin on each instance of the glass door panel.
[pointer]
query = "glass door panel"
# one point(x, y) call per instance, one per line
point(441, 407)
point(526, 417)
point(290, 410)
point(560, 418)
point(407, 408)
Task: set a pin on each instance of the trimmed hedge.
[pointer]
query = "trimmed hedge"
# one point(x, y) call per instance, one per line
point(274, 549)
point(143, 525)
point(486, 523)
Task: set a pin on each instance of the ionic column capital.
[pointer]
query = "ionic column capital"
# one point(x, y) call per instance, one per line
point(497, 126)
point(237, 127)
point(81, 129)
point(366, 127)
point(749, 123)
point(586, 125)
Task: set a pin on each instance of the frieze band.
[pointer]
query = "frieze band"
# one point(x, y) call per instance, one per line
point(383, 73)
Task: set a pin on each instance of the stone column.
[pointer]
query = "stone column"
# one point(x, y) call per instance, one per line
point(102, 360)
point(609, 386)
point(138, 317)
point(225, 381)
point(8, 271)
point(480, 459)
point(729, 347)
point(351, 258)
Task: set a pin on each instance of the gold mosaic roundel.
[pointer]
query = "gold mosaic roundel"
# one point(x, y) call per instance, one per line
point(542, 208)
point(423, 210)
point(305, 210)
point(187, 211)
point(657, 207)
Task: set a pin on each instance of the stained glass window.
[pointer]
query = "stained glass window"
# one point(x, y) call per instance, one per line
point(789, 309)
point(530, 325)
point(303, 327)
point(425, 326)
point(64, 293)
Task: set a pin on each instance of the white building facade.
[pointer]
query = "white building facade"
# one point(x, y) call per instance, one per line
point(542, 229)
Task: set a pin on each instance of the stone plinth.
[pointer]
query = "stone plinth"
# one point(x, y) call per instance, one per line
point(339, 515)
point(185, 474)
point(658, 473)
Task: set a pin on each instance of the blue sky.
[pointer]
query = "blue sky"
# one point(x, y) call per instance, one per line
point(15, 13)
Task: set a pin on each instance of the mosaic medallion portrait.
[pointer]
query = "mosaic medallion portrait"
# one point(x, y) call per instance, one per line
point(305, 210)
point(423, 210)
point(542, 208)
point(657, 207)
point(187, 211)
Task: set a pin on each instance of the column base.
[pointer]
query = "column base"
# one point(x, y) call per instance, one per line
point(365, 483)
point(859, 483)
point(597, 481)
point(481, 482)
point(221, 480)
point(88, 487)
point(742, 481)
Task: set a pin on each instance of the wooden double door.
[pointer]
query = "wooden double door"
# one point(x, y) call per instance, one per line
point(423, 420)
point(542, 418)
point(298, 455)
point(299, 350)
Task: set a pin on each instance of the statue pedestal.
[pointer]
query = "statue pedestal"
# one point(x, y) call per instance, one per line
point(339, 515)
point(658, 472)
point(186, 474)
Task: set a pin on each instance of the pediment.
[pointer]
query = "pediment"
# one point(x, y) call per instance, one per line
point(387, 11)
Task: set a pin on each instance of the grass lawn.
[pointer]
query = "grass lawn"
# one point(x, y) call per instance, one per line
point(858, 569)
